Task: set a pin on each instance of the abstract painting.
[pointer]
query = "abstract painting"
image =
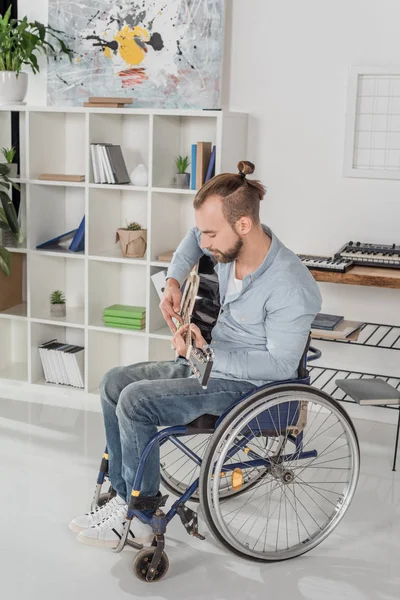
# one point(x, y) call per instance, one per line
point(161, 53)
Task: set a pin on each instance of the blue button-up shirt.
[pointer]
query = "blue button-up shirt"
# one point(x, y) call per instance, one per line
point(262, 331)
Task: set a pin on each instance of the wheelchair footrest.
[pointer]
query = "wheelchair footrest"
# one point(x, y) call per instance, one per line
point(147, 502)
point(189, 521)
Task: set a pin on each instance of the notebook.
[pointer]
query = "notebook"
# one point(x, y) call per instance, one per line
point(326, 321)
point(369, 391)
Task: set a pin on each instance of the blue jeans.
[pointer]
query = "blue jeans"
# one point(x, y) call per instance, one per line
point(139, 398)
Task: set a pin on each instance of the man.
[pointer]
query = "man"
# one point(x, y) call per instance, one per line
point(268, 302)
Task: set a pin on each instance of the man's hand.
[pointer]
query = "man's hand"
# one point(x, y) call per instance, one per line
point(178, 341)
point(171, 303)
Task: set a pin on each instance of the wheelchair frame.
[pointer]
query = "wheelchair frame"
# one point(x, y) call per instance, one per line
point(159, 520)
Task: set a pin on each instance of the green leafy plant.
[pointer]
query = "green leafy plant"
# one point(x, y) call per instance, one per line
point(182, 163)
point(8, 217)
point(133, 227)
point(57, 297)
point(9, 154)
point(21, 41)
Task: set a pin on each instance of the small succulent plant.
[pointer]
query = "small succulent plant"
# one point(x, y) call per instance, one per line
point(9, 154)
point(133, 227)
point(57, 297)
point(182, 163)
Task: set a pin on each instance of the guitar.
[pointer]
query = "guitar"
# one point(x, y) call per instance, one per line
point(200, 305)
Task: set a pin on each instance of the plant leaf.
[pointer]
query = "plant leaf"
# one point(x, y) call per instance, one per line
point(5, 261)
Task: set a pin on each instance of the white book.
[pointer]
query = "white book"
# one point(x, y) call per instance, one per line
point(94, 163)
point(102, 175)
point(44, 358)
point(79, 359)
point(107, 166)
point(62, 355)
point(159, 280)
point(69, 363)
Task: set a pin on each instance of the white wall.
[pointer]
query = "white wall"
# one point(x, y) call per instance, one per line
point(286, 63)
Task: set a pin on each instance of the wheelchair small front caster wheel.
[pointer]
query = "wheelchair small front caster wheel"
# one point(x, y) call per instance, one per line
point(141, 565)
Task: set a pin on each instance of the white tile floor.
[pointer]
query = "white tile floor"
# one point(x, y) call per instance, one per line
point(49, 459)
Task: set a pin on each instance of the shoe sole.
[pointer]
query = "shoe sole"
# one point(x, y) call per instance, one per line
point(76, 528)
point(98, 543)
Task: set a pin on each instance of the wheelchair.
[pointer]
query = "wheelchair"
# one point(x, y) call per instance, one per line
point(274, 475)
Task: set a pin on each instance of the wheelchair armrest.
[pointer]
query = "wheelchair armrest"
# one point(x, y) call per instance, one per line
point(313, 354)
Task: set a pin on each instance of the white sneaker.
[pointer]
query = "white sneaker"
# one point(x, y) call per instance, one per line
point(108, 533)
point(97, 515)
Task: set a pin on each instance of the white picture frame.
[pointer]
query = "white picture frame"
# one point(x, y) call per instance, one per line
point(373, 152)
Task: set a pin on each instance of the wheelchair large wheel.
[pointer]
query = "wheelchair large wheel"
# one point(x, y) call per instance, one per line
point(306, 488)
point(178, 471)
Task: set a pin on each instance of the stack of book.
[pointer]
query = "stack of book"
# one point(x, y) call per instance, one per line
point(108, 164)
point(203, 164)
point(335, 327)
point(124, 316)
point(107, 102)
point(62, 363)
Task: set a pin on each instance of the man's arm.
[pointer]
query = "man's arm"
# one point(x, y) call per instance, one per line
point(287, 326)
point(187, 254)
point(185, 257)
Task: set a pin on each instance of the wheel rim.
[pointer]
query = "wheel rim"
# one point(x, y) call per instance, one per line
point(298, 502)
point(178, 471)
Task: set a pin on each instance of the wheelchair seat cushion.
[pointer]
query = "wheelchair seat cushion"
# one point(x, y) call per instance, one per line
point(203, 422)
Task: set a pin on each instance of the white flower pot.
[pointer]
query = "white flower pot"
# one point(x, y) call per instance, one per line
point(13, 170)
point(13, 87)
point(139, 176)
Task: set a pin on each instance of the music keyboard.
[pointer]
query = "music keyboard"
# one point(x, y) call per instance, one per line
point(372, 255)
point(325, 263)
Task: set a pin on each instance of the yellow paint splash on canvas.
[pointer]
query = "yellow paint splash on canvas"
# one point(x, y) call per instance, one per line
point(129, 50)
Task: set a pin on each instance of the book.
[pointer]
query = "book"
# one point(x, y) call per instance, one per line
point(371, 392)
point(57, 242)
point(166, 256)
point(103, 105)
point(78, 241)
point(124, 320)
point(61, 177)
point(344, 330)
point(159, 280)
point(202, 160)
point(193, 170)
point(125, 310)
point(117, 163)
point(325, 321)
point(119, 326)
point(112, 99)
point(62, 363)
point(211, 165)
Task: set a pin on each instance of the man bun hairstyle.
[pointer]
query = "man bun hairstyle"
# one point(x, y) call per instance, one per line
point(241, 197)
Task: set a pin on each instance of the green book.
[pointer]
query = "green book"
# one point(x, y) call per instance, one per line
point(136, 327)
point(124, 310)
point(124, 320)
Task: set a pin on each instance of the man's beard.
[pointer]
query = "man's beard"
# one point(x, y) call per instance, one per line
point(230, 255)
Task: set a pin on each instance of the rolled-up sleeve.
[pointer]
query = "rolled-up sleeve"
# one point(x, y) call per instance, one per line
point(187, 254)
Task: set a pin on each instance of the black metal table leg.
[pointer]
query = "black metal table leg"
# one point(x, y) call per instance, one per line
point(397, 441)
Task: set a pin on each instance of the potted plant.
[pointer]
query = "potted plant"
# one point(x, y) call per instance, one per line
point(57, 304)
point(9, 154)
point(133, 240)
point(182, 179)
point(20, 43)
point(8, 219)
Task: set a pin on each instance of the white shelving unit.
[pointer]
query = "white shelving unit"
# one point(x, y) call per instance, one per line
point(57, 140)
